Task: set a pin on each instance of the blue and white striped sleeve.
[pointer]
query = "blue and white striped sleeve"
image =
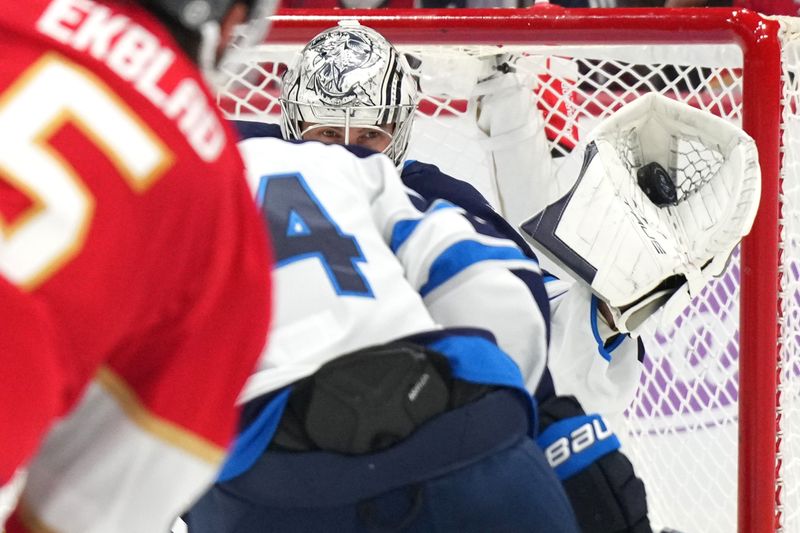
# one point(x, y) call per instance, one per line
point(470, 278)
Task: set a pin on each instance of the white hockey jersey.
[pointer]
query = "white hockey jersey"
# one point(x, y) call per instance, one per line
point(585, 358)
point(358, 265)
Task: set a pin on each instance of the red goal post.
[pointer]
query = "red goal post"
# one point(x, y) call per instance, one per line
point(727, 401)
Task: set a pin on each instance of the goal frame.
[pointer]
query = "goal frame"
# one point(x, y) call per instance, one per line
point(757, 37)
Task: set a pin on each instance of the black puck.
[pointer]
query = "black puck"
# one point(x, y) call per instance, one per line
point(654, 180)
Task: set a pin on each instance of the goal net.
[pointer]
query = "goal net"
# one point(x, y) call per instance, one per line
point(713, 427)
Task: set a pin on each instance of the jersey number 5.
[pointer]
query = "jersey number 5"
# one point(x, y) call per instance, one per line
point(51, 229)
point(302, 229)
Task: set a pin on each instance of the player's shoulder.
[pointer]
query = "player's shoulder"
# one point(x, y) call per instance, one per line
point(21, 20)
point(109, 37)
point(416, 172)
point(259, 142)
point(274, 152)
point(430, 182)
point(317, 164)
point(246, 129)
point(414, 168)
point(122, 52)
point(256, 149)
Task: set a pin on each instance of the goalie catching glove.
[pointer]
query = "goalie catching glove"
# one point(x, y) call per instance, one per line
point(639, 235)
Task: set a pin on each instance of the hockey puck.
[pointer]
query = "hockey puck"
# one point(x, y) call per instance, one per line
point(654, 180)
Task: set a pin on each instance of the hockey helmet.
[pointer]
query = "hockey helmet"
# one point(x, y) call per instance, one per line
point(196, 26)
point(350, 76)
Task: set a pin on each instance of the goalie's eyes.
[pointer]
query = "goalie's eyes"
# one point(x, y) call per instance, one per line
point(372, 138)
point(369, 135)
point(328, 135)
point(331, 134)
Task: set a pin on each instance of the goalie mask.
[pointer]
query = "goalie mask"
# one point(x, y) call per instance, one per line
point(347, 77)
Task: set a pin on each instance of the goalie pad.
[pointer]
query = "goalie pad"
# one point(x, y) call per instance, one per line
point(640, 252)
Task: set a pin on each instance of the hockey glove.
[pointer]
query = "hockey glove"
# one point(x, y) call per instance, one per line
point(605, 493)
point(641, 236)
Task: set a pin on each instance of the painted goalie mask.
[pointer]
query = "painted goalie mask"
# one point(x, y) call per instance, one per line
point(347, 77)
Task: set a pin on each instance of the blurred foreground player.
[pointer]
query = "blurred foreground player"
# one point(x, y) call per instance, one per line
point(132, 261)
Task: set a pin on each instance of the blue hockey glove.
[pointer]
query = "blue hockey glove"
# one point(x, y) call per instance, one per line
point(605, 493)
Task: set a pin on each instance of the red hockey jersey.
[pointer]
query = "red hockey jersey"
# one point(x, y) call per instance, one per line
point(134, 266)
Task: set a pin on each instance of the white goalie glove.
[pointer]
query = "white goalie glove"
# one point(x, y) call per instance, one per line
point(643, 237)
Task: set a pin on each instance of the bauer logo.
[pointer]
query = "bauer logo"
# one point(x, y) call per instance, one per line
point(577, 441)
point(572, 444)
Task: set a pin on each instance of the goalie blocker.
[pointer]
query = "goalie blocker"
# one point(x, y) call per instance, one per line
point(639, 241)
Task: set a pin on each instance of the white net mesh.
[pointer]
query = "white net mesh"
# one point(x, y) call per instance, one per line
point(692, 161)
point(789, 364)
point(682, 428)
